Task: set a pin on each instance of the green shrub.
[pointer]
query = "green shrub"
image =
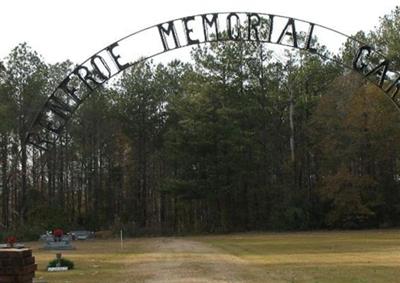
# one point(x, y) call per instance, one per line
point(28, 233)
point(63, 262)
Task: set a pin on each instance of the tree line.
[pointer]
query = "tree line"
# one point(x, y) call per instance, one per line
point(241, 138)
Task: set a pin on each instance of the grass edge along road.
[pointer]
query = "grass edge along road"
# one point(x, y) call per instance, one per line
point(355, 256)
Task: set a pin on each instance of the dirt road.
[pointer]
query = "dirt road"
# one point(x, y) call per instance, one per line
point(176, 260)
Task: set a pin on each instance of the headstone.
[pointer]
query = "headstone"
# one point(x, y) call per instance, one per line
point(81, 235)
point(16, 245)
point(17, 265)
point(53, 243)
point(57, 268)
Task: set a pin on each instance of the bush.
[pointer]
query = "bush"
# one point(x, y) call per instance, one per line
point(106, 234)
point(23, 233)
point(28, 233)
point(63, 262)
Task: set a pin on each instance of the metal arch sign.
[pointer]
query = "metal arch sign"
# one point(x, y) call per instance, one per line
point(192, 30)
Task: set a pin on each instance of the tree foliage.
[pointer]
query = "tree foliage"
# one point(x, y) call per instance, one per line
point(242, 138)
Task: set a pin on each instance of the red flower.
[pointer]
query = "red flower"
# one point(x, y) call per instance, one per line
point(58, 232)
point(11, 240)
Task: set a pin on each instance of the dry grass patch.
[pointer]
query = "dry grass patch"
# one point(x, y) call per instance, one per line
point(371, 256)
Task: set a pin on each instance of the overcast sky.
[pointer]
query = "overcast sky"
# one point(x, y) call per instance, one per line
point(76, 29)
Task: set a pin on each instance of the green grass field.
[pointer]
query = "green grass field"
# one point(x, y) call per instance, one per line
point(361, 256)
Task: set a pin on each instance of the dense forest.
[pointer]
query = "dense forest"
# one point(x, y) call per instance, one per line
point(241, 138)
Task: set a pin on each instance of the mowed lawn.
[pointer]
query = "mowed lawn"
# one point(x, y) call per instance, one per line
point(360, 256)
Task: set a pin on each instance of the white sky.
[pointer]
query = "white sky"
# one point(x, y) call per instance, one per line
point(76, 29)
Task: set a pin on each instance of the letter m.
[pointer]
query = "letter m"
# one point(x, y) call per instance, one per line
point(164, 32)
point(59, 107)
